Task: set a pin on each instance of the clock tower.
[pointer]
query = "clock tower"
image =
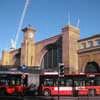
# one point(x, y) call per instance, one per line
point(28, 47)
point(29, 34)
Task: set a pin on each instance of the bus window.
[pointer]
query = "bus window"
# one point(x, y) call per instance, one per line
point(79, 83)
point(62, 83)
point(4, 82)
point(89, 82)
point(76, 83)
point(82, 83)
point(17, 82)
point(55, 82)
point(48, 82)
point(22, 81)
point(97, 80)
point(79, 80)
point(69, 82)
point(11, 82)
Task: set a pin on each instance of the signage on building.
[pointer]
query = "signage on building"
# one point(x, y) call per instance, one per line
point(23, 68)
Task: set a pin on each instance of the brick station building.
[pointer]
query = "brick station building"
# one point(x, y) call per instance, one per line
point(78, 55)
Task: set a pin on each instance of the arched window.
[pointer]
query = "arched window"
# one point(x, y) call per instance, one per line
point(92, 67)
point(53, 55)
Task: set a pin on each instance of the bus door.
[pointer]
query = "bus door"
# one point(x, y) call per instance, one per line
point(68, 85)
point(79, 85)
point(90, 84)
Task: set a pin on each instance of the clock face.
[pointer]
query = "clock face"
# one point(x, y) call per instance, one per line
point(30, 35)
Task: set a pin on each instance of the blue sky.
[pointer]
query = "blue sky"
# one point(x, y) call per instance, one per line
point(48, 17)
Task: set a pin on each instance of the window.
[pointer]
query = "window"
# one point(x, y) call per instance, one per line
point(62, 83)
point(56, 82)
point(97, 80)
point(90, 82)
point(69, 82)
point(90, 44)
point(98, 42)
point(53, 55)
point(83, 45)
point(48, 82)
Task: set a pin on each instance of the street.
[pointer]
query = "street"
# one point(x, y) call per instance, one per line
point(49, 98)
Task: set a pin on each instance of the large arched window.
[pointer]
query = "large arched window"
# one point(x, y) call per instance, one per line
point(53, 55)
point(92, 67)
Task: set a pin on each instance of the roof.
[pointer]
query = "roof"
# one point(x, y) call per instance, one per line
point(57, 36)
point(91, 37)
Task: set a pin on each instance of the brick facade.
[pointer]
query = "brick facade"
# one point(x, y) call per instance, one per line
point(89, 53)
point(73, 56)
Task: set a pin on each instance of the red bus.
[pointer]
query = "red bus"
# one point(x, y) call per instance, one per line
point(12, 83)
point(72, 84)
point(92, 84)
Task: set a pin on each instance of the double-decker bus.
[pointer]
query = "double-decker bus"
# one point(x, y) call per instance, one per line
point(71, 84)
point(12, 83)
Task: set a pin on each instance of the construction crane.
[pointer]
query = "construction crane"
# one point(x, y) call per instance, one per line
point(14, 41)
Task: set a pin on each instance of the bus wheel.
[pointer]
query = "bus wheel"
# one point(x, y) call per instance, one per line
point(92, 92)
point(46, 92)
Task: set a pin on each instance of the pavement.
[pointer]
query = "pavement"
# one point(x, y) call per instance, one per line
point(49, 98)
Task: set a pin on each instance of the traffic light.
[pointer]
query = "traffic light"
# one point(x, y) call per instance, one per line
point(61, 69)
